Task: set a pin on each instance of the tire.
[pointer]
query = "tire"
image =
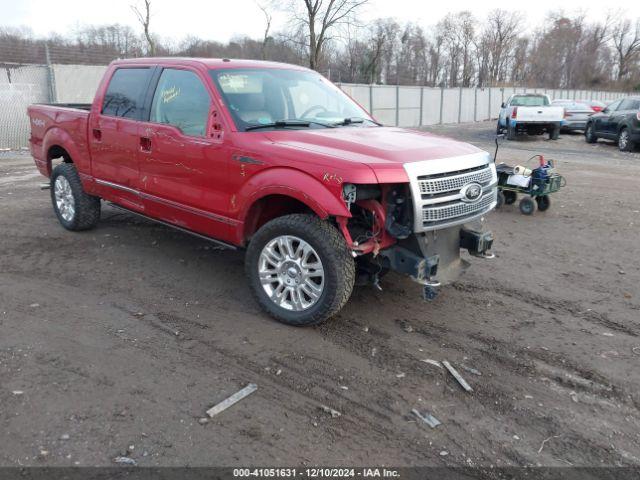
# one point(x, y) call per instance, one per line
point(544, 202)
point(499, 129)
point(527, 206)
point(554, 133)
point(500, 199)
point(625, 144)
point(282, 264)
point(589, 134)
point(511, 132)
point(76, 210)
point(510, 197)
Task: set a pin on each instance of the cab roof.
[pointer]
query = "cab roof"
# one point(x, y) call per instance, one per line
point(209, 63)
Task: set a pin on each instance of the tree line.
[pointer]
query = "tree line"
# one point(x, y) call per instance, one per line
point(460, 50)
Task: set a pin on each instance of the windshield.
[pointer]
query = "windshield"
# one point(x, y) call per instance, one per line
point(277, 98)
point(529, 101)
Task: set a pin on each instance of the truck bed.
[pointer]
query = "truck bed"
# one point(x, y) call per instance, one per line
point(78, 106)
point(58, 124)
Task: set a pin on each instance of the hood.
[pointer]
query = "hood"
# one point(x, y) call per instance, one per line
point(383, 149)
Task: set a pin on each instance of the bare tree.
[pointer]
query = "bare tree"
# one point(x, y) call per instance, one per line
point(378, 39)
point(457, 31)
point(566, 51)
point(265, 38)
point(435, 60)
point(120, 40)
point(554, 51)
point(495, 46)
point(145, 18)
point(319, 18)
point(626, 42)
point(592, 65)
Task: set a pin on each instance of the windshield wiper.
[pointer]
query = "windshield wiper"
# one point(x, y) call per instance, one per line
point(352, 120)
point(287, 123)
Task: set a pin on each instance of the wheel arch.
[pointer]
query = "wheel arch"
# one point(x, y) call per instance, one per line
point(58, 143)
point(282, 191)
point(269, 207)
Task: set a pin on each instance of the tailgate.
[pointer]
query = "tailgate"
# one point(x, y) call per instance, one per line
point(540, 114)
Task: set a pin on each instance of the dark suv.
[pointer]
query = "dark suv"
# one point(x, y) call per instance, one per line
point(619, 121)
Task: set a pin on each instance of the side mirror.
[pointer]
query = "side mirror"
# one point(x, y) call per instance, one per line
point(504, 105)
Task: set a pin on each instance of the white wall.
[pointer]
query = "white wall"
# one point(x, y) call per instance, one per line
point(449, 105)
point(77, 83)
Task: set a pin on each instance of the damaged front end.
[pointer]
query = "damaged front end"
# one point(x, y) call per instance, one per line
point(418, 229)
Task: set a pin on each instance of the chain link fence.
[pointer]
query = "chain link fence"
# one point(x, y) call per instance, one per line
point(20, 86)
point(407, 106)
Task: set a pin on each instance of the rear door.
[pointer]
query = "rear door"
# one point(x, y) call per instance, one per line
point(113, 136)
point(183, 163)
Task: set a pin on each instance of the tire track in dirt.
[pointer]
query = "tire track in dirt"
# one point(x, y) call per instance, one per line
point(549, 304)
point(298, 392)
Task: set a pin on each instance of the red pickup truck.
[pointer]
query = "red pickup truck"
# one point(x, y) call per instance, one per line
point(275, 159)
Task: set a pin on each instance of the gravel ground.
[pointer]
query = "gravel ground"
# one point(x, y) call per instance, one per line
point(116, 341)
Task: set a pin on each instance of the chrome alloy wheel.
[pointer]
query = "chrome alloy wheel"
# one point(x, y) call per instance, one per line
point(64, 198)
point(291, 273)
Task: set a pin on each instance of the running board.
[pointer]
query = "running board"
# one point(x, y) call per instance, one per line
point(190, 232)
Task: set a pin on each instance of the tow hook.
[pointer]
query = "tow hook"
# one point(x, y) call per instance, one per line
point(477, 242)
point(430, 291)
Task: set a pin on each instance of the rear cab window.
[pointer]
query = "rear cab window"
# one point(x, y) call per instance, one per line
point(125, 93)
point(529, 101)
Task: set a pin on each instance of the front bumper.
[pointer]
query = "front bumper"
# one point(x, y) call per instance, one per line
point(434, 257)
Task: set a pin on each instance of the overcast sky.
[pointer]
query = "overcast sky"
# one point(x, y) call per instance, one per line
point(224, 19)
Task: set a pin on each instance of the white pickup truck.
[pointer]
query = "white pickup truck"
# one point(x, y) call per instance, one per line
point(530, 113)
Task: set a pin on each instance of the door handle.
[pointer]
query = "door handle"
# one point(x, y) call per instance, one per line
point(97, 134)
point(145, 144)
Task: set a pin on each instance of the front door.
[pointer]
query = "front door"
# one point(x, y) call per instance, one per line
point(113, 136)
point(183, 167)
point(604, 122)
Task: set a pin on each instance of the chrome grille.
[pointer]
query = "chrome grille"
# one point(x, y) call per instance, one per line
point(434, 213)
point(437, 192)
point(455, 182)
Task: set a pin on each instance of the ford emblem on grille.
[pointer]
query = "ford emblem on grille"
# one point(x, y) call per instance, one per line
point(471, 192)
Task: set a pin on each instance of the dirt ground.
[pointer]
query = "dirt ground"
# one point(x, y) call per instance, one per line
point(117, 340)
